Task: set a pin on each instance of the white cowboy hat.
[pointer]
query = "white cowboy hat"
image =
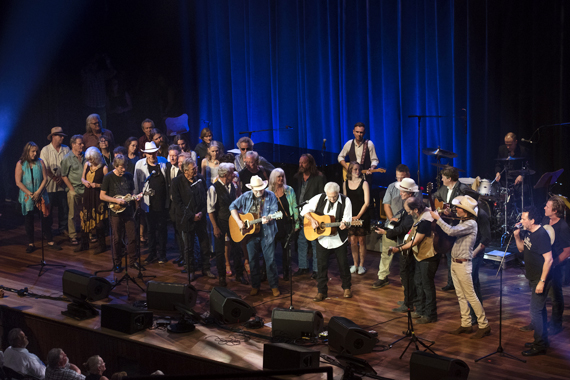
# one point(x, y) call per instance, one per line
point(466, 203)
point(149, 147)
point(407, 184)
point(256, 183)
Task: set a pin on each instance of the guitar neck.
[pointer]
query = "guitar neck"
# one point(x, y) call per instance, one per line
point(336, 224)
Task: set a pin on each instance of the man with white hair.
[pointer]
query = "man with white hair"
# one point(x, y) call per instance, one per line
point(332, 203)
point(19, 359)
point(461, 265)
point(245, 144)
point(262, 202)
point(220, 195)
point(59, 367)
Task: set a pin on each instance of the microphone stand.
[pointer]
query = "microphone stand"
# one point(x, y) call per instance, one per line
point(288, 248)
point(500, 349)
point(419, 137)
point(138, 238)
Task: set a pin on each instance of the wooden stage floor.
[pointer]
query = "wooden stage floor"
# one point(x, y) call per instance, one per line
point(369, 308)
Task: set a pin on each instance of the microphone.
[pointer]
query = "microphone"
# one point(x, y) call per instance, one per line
point(528, 141)
point(150, 175)
point(302, 204)
point(324, 143)
point(518, 226)
point(197, 182)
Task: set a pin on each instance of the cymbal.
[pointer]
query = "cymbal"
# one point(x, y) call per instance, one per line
point(509, 159)
point(443, 166)
point(566, 202)
point(439, 152)
point(522, 172)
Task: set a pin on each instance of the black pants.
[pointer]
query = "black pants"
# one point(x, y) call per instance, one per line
point(323, 255)
point(236, 253)
point(123, 225)
point(426, 303)
point(407, 269)
point(29, 226)
point(157, 234)
point(188, 237)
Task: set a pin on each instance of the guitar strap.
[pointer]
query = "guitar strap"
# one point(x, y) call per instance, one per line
point(364, 150)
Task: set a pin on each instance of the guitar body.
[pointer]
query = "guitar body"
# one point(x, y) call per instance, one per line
point(442, 242)
point(366, 172)
point(117, 208)
point(311, 233)
point(238, 234)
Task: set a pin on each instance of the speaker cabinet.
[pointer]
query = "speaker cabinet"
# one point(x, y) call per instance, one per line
point(163, 295)
point(346, 336)
point(289, 356)
point(427, 366)
point(125, 318)
point(226, 306)
point(81, 286)
point(294, 324)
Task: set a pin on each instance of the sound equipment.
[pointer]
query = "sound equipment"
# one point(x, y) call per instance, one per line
point(346, 336)
point(226, 306)
point(125, 318)
point(427, 366)
point(289, 356)
point(81, 286)
point(164, 295)
point(295, 324)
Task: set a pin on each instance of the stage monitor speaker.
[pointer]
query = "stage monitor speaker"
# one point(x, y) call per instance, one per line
point(125, 318)
point(289, 356)
point(346, 336)
point(294, 324)
point(226, 306)
point(81, 286)
point(427, 366)
point(164, 295)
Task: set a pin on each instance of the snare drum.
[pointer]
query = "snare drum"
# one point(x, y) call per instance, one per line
point(485, 187)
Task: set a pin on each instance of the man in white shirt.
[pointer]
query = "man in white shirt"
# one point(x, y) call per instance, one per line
point(357, 150)
point(334, 204)
point(19, 359)
point(52, 154)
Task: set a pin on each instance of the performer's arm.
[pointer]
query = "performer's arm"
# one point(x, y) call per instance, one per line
point(545, 269)
point(342, 155)
point(518, 240)
point(373, 157)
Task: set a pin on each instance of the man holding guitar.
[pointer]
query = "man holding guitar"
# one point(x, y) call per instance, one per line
point(120, 183)
point(263, 203)
point(338, 206)
point(359, 150)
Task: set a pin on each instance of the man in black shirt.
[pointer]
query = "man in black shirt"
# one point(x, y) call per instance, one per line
point(535, 242)
point(553, 216)
point(119, 182)
point(252, 167)
point(514, 150)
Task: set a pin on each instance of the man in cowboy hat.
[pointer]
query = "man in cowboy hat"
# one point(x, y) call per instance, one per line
point(393, 236)
point(461, 266)
point(338, 205)
point(393, 203)
point(150, 173)
point(264, 203)
point(52, 155)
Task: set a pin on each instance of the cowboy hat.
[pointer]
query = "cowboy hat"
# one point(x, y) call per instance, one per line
point(256, 183)
point(56, 131)
point(407, 184)
point(149, 147)
point(466, 203)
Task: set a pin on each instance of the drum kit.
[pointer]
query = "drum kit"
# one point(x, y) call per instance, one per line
point(500, 202)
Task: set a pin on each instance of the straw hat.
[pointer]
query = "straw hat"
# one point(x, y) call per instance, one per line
point(466, 203)
point(56, 131)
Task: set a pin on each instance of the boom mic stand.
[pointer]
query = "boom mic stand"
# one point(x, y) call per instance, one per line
point(410, 331)
point(42, 263)
point(500, 349)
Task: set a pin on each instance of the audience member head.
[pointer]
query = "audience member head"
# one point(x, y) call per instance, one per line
point(95, 365)
point(30, 153)
point(214, 151)
point(277, 179)
point(206, 135)
point(76, 142)
point(93, 123)
point(17, 338)
point(182, 141)
point(105, 144)
point(119, 375)
point(244, 145)
point(120, 150)
point(173, 153)
point(132, 146)
point(93, 156)
point(56, 358)
point(147, 126)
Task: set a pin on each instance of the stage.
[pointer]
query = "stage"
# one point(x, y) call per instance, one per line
point(210, 349)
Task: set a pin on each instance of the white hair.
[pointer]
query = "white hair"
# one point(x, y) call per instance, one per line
point(332, 187)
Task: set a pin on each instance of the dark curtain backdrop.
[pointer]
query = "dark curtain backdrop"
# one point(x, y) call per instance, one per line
point(318, 66)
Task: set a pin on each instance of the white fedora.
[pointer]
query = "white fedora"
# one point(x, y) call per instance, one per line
point(256, 183)
point(407, 184)
point(149, 147)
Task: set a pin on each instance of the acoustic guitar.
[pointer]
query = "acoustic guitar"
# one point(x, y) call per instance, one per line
point(327, 226)
point(117, 208)
point(365, 172)
point(251, 225)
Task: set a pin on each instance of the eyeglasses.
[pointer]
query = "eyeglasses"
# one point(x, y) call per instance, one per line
point(245, 149)
point(95, 123)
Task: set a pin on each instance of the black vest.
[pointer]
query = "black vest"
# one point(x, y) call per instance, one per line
point(225, 199)
point(343, 234)
point(352, 155)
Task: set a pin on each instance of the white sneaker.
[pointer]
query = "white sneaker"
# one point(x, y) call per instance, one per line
point(361, 270)
point(352, 269)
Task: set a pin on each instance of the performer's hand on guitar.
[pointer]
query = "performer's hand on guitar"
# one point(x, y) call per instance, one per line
point(343, 226)
point(138, 197)
point(435, 215)
point(391, 250)
point(265, 219)
point(121, 202)
point(380, 231)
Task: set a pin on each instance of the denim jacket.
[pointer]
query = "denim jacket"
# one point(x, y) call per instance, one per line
point(244, 203)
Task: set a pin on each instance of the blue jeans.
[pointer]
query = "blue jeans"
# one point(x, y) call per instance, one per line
point(254, 252)
point(557, 296)
point(302, 250)
point(58, 199)
point(425, 287)
point(538, 314)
